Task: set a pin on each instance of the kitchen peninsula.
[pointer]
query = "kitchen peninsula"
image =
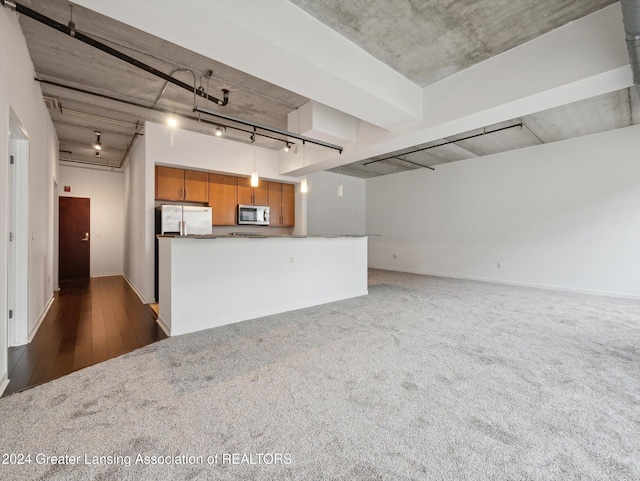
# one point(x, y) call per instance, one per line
point(209, 281)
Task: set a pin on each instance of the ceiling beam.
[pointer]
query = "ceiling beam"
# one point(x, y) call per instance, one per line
point(296, 52)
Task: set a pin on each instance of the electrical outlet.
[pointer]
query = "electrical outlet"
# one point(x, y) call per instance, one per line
point(395, 256)
point(292, 259)
point(499, 265)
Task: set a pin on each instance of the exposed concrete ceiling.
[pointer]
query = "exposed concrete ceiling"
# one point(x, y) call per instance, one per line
point(423, 40)
point(61, 59)
point(598, 114)
point(428, 40)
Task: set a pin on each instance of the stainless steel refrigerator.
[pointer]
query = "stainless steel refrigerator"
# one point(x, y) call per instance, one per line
point(184, 220)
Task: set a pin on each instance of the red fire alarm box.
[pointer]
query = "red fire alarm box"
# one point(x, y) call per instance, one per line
point(67, 188)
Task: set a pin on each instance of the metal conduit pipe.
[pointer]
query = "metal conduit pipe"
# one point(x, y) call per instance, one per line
point(631, 20)
point(72, 32)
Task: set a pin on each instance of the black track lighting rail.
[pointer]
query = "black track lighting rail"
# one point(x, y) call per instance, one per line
point(266, 128)
point(440, 145)
point(155, 109)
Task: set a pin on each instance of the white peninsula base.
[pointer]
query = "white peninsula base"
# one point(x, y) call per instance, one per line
point(209, 282)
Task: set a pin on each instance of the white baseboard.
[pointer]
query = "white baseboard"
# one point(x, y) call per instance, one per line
point(108, 274)
point(163, 326)
point(135, 289)
point(40, 319)
point(515, 283)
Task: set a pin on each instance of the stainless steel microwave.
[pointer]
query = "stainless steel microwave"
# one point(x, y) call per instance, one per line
point(253, 214)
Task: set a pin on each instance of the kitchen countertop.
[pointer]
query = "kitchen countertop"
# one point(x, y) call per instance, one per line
point(250, 236)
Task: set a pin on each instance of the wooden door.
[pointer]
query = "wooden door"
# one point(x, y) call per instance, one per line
point(261, 193)
point(169, 183)
point(288, 205)
point(74, 238)
point(196, 186)
point(223, 199)
point(252, 195)
point(245, 191)
point(275, 203)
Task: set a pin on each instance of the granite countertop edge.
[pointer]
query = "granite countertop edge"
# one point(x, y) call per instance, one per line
point(249, 236)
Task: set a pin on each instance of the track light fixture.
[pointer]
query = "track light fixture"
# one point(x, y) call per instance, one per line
point(98, 144)
point(98, 154)
point(287, 146)
point(218, 131)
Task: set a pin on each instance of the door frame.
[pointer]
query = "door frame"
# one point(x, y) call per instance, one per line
point(18, 326)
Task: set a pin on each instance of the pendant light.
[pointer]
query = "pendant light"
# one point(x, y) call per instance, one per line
point(303, 184)
point(254, 174)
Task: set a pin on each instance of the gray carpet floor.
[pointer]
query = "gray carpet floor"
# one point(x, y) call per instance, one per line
point(425, 378)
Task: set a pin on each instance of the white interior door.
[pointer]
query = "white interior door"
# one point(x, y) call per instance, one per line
point(18, 250)
point(11, 261)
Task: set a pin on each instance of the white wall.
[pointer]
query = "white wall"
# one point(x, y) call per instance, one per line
point(138, 226)
point(564, 215)
point(329, 214)
point(20, 93)
point(106, 191)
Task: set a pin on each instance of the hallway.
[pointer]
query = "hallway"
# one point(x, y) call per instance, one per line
point(90, 321)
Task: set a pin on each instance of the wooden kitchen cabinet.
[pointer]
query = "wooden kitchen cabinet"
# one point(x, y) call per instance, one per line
point(196, 186)
point(282, 204)
point(223, 199)
point(248, 195)
point(169, 183)
point(180, 184)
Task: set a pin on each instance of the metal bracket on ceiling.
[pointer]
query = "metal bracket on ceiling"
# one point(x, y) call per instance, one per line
point(9, 5)
point(72, 24)
point(414, 163)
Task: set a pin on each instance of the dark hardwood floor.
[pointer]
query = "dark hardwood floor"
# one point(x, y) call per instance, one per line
point(90, 321)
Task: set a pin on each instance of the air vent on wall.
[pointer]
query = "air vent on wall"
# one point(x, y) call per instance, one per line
point(51, 103)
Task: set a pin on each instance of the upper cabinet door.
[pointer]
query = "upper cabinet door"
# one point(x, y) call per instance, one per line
point(261, 193)
point(223, 199)
point(288, 205)
point(248, 195)
point(245, 191)
point(196, 186)
point(275, 203)
point(169, 183)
